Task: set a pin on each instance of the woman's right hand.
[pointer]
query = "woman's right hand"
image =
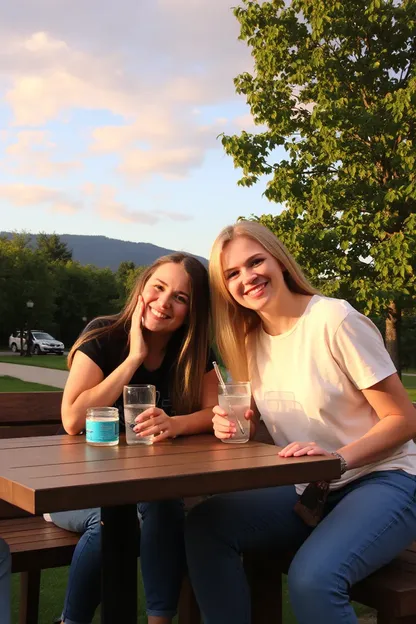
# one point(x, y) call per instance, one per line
point(138, 346)
point(224, 428)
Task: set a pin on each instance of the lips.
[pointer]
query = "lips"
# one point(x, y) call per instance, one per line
point(256, 290)
point(159, 315)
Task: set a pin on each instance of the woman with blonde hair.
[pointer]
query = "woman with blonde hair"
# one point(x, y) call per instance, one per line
point(161, 338)
point(323, 384)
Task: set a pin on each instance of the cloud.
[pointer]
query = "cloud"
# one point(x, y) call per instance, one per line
point(32, 154)
point(22, 195)
point(151, 64)
point(107, 207)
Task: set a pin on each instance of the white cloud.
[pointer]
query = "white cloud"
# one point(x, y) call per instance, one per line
point(153, 64)
point(23, 195)
point(33, 153)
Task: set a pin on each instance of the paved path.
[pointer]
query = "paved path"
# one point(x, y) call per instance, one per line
point(47, 376)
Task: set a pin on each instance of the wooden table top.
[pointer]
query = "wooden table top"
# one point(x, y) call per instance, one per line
point(58, 473)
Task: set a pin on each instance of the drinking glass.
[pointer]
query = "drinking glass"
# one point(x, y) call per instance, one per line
point(235, 399)
point(137, 399)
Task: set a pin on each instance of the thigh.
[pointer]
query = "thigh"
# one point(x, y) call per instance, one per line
point(251, 519)
point(366, 529)
point(78, 520)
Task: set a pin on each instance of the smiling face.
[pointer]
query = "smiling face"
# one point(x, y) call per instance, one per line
point(253, 276)
point(167, 298)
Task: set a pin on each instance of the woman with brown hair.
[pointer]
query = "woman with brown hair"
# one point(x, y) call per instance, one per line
point(324, 384)
point(161, 337)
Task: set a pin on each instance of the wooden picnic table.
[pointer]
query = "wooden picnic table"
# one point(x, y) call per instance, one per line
point(60, 473)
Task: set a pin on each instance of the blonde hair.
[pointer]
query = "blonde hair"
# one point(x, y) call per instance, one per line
point(232, 322)
point(190, 364)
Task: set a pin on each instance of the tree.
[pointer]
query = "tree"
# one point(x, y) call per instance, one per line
point(52, 248)
point(334, 84)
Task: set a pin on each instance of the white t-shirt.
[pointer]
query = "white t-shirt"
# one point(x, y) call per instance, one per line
point(307, 382)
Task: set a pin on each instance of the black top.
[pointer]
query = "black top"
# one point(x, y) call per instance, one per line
point(110, 350)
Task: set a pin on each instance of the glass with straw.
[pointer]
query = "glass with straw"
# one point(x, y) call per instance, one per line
point(235, 399)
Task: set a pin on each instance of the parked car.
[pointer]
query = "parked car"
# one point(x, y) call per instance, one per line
point(41, 342)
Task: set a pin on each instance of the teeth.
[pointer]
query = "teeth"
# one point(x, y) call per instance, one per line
point(257, 289)
point(158, 314)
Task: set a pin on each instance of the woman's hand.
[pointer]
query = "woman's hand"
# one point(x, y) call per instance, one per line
point(224, 428)
point(138, 346)
point(297, 449)
point(154, 421)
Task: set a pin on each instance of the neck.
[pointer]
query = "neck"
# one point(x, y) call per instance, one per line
point(284, 313)
point(157, 341)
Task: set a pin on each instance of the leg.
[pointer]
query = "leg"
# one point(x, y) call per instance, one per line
point(220, 529)
point(83, 594)
point(162, 557)
point(119, 564)
point(5, 575)
point(371, 521)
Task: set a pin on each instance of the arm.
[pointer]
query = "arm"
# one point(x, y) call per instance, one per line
point(87, 387)
point(155, 421)
point(396, 426)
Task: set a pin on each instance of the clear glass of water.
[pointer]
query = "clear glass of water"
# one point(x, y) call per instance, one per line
point(235, 399)
point(137, 399)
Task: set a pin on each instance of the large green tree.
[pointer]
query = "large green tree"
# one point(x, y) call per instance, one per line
point(52, 248)
point(334, 85)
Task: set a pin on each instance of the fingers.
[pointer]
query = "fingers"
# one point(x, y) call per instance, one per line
point(217, 410)
point(298, 449)
point(223, 428)
point(249, 414)
point(153, 425)
point(150, 412)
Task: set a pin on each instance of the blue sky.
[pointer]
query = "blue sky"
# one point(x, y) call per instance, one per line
point(109, 114)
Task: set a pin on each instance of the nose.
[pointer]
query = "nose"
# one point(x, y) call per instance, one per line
point(163, 299)
point(248, 275)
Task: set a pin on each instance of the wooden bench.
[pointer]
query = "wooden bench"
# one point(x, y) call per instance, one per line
point(35, 544)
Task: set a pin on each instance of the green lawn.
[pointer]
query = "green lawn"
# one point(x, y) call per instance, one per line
point(11, 384)
point(409, 382)
point(44, 361)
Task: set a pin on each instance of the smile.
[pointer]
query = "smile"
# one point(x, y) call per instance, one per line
point(158, 314)
point(256, 290)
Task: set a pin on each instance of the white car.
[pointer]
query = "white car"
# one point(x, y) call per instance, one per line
point(42, 342)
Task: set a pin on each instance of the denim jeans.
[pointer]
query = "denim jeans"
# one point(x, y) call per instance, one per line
point(162, 557)
point(366, 524)
point(5, 575)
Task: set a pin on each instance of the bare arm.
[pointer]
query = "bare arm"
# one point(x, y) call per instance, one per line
point(396, 426)
point(86, 387)
point(200, 421)
point(155, 421)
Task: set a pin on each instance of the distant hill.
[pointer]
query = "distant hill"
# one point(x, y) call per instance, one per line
point(109, 252)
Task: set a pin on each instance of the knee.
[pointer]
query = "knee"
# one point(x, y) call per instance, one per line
point(168, 510)
point(313, 581)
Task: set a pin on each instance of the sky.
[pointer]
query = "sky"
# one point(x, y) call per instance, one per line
point(109, 118)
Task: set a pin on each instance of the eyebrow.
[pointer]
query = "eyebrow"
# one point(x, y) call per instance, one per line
point(177, 292)
point(246, 262)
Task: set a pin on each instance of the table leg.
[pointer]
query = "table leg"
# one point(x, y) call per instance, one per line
point(119, 548)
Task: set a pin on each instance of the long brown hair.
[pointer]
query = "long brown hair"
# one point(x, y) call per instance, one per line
point(232, 322)
point(193, 352)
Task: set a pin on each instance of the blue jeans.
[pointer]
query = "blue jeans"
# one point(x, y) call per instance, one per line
point(367, 523)
point(5, 575)
point(162, 557)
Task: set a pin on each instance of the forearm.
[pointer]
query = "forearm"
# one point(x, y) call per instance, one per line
point(103, 394)
point(198, 422)
point(379, 442)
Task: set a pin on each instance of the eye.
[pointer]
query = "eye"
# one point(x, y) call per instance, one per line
point(158, 287)
point(257, 261)
point(181, 299)
point(231, 275)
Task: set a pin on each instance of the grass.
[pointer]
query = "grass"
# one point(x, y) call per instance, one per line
point(44, 361)
point(11, 384)
point(409, 383)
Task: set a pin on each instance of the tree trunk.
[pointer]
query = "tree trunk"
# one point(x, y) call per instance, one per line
point(393, 321)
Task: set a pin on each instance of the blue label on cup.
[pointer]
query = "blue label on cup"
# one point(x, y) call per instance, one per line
point(102, 431)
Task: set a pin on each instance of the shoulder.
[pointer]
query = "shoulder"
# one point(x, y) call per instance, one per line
point(328, 311)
